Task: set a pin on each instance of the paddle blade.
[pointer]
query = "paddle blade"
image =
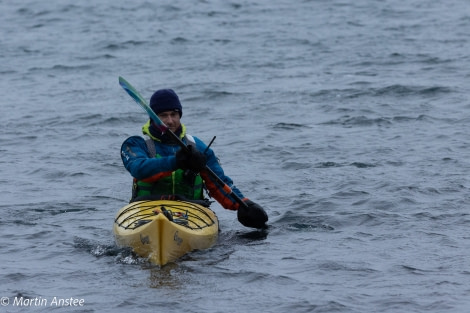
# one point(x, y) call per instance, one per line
point(131, 91)
point(143, 104)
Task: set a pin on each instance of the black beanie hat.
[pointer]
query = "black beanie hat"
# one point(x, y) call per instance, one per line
point(165, 100)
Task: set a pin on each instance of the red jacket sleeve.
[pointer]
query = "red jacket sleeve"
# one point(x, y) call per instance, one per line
point(220, 193)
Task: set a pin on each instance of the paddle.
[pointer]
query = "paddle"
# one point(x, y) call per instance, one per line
point(254, 217)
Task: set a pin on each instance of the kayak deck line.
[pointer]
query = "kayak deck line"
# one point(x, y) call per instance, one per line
point(138, 218)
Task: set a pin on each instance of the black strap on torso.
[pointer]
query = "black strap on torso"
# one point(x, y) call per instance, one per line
point(151, 147)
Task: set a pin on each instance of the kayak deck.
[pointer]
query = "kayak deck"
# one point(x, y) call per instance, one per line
point(164, 230)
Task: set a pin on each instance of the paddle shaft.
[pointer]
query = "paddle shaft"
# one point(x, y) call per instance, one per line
point(154, 117)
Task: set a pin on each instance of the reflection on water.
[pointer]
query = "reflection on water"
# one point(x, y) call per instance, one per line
point(171, 275)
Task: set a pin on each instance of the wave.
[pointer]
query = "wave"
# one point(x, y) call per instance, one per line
point(289, 126)
point(61, 68)
point(328, 164)
point(100, 250)
point(396, 90)
point(362, 120)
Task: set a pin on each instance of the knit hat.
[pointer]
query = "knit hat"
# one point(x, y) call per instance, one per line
point(165, 100)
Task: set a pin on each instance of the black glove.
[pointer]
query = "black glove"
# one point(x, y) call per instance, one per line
point(190, 159)
point(252, 215)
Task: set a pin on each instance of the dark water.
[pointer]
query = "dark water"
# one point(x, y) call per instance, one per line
point(347, 120)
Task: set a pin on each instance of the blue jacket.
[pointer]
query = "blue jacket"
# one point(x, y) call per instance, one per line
point(137, 160)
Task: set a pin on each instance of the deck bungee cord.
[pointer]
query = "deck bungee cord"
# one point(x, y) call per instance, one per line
point(183, 211)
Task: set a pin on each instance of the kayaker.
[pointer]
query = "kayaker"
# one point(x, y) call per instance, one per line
point(161, 168)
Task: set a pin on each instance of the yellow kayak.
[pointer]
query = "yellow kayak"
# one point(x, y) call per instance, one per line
point(165, 230)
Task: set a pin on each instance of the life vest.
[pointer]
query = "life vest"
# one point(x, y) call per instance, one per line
point(179, 182)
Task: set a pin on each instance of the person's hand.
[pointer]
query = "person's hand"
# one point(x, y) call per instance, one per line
point(190, 159)
point(252, 215)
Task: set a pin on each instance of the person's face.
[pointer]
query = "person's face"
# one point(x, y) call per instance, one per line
point(170, 119)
